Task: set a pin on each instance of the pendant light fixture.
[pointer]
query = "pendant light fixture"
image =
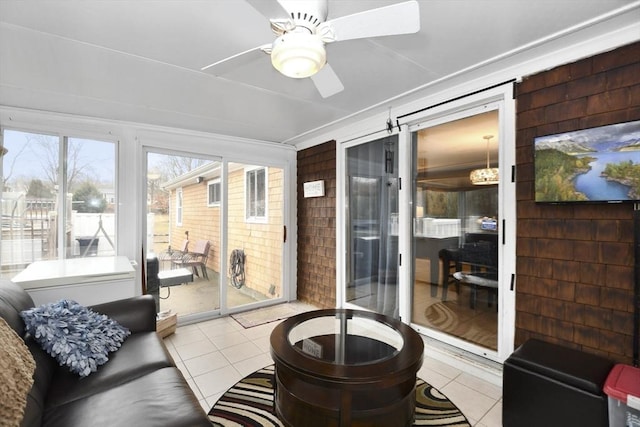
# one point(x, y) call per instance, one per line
point(488, 175)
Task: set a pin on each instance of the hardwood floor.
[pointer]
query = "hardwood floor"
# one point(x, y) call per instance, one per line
point(455, 316)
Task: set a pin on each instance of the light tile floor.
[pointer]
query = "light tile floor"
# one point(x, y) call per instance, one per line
point(215, 354)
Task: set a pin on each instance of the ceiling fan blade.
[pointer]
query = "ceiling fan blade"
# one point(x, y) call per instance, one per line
point(272, 9)
point(327, 81)
point(280, 19)
point(401, 18)
point(231, 63)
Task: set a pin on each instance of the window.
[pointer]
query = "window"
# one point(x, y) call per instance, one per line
point(58, 198)
point(213, 193)
point(256, 192)
point(179, 206)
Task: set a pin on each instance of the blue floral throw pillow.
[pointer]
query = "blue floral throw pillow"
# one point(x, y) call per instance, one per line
point(74, 335)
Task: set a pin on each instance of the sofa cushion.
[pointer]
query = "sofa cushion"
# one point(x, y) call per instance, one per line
point(45, 367)
point(160, 398)
point(138, 314)
point(139, 355)
point(16, 375)
point(76, 336)
point(13, 299)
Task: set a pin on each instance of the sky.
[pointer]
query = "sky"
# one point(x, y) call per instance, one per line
point(27, 159)
point(627, 131)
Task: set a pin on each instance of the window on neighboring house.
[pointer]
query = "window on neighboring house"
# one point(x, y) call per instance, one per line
point(179, 206)
point(213, 191)
point(256, 193)
point(53, 198)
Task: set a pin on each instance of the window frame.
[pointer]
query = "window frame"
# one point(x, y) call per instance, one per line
point(248, 191)
point(67, 135)
point(212, 183)
point(179, 206)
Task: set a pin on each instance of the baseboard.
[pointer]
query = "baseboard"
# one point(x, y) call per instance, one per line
point(470, 363)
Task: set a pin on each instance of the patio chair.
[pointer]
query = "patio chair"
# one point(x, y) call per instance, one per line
point(197, 257)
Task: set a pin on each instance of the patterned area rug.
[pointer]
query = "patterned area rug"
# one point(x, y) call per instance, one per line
point(478, 326)
point(249, 403)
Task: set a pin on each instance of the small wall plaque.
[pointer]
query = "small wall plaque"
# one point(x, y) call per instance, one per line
point(313, 189)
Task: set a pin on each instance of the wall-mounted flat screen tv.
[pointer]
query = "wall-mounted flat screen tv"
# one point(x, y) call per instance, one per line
point(599, 164)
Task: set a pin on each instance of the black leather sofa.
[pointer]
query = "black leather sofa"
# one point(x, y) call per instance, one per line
point(139, 385)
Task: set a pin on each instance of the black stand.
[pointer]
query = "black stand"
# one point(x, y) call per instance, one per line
point(636, 282)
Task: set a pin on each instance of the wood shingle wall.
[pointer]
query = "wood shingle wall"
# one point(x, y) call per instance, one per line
point(317, 227)
point(575, 262)
point(262, 242)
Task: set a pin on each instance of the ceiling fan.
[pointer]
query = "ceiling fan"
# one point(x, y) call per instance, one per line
point(302, 32)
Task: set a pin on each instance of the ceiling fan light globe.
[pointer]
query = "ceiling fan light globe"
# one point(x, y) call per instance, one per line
point(298, 55)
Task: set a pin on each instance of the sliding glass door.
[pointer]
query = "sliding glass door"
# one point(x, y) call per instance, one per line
point(463, 237)
point(455, 238)
point(216, 230)
point(372, 231)
point(183, 231)
point(255, 232)
point(429, 225)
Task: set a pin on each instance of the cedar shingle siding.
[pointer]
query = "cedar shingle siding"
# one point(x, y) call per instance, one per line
point(262, 242)
point(317, 227)
point(575, 262)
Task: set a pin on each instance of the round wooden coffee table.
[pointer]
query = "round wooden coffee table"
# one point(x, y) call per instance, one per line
point(342, 367)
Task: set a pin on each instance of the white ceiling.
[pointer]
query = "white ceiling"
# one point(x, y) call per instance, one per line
point(140, 60)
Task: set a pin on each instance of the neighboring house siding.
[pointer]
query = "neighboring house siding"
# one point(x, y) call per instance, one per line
point(262, 242)
point(200, 220)
point(317, 227)
point(575, 262)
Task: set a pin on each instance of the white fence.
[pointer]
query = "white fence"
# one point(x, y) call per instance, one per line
point(23, 249)
point(88, 225)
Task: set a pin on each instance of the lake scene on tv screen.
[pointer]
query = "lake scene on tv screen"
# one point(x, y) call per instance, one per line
point(592, 165)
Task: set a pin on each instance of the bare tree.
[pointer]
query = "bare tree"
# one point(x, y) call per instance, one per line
point(174, 166)
point(45, 150)
point(9, 168)
point(51, 160)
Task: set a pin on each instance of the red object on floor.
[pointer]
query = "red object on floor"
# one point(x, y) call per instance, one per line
point(623, 381)
point(623, 388)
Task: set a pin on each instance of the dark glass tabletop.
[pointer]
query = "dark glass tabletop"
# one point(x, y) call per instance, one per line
point(346, 339)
